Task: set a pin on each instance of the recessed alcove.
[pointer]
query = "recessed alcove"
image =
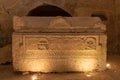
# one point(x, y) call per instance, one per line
point(48, 11)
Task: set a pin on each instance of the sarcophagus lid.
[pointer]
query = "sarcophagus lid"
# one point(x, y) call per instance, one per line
point(59, 24)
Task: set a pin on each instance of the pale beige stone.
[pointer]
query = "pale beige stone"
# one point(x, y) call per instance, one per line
point(25, 73)
point(38, 47)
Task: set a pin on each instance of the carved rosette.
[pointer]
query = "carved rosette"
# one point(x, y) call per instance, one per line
point(90, 43)
point(43, 44)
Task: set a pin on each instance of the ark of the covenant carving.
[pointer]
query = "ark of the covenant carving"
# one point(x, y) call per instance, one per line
point(59, 44)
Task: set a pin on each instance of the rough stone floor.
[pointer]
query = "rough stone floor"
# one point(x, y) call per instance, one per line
point(113, 73)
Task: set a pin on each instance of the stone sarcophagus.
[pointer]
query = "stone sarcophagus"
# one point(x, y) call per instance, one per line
point(59, 44)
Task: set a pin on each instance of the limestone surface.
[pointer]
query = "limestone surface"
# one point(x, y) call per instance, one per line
point(59, 44)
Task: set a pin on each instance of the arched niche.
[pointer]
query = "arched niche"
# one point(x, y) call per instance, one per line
point(48, 11)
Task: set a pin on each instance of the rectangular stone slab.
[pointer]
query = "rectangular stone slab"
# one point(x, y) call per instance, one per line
point(59, 44)
point(58, 53)
point(58, 25)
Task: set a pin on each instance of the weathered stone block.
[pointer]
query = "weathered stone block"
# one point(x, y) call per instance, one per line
point(59, 44)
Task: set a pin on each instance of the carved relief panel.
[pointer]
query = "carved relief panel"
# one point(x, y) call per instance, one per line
point(42, 42)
